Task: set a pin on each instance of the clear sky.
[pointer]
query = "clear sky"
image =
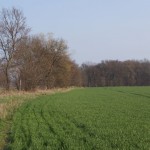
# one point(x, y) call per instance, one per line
point(95, 30)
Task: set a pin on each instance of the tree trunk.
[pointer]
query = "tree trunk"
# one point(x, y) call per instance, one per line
point(7, 79)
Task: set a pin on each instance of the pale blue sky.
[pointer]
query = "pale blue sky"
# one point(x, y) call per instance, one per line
point(95, 30)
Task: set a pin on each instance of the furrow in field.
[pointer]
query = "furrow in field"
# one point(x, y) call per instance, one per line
point(135, 94)
point(18, 132)
point(70, 128)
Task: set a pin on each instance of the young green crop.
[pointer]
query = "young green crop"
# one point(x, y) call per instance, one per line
point(91, 118)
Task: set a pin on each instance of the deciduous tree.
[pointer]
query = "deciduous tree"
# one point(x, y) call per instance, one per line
point(13, 29)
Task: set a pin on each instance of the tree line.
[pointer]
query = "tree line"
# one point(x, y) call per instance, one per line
point(29, 61)
point(116, 73)
point(41, 61)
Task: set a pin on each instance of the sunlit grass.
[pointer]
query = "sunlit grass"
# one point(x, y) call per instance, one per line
point(92, 118)
point(10, 101)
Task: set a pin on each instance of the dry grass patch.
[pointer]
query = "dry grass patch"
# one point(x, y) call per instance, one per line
point(9, 101)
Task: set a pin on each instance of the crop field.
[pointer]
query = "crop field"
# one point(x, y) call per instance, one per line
point(10, 101)
point(8, 104)
point(84, 119)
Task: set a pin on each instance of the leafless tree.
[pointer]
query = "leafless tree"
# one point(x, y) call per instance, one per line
point(13, 29)
point(43, 62)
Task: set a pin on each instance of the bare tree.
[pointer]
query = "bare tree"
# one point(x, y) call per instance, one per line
point(13, 29)
point(42, 62)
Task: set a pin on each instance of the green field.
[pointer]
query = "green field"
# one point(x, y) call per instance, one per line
point(84, 119)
